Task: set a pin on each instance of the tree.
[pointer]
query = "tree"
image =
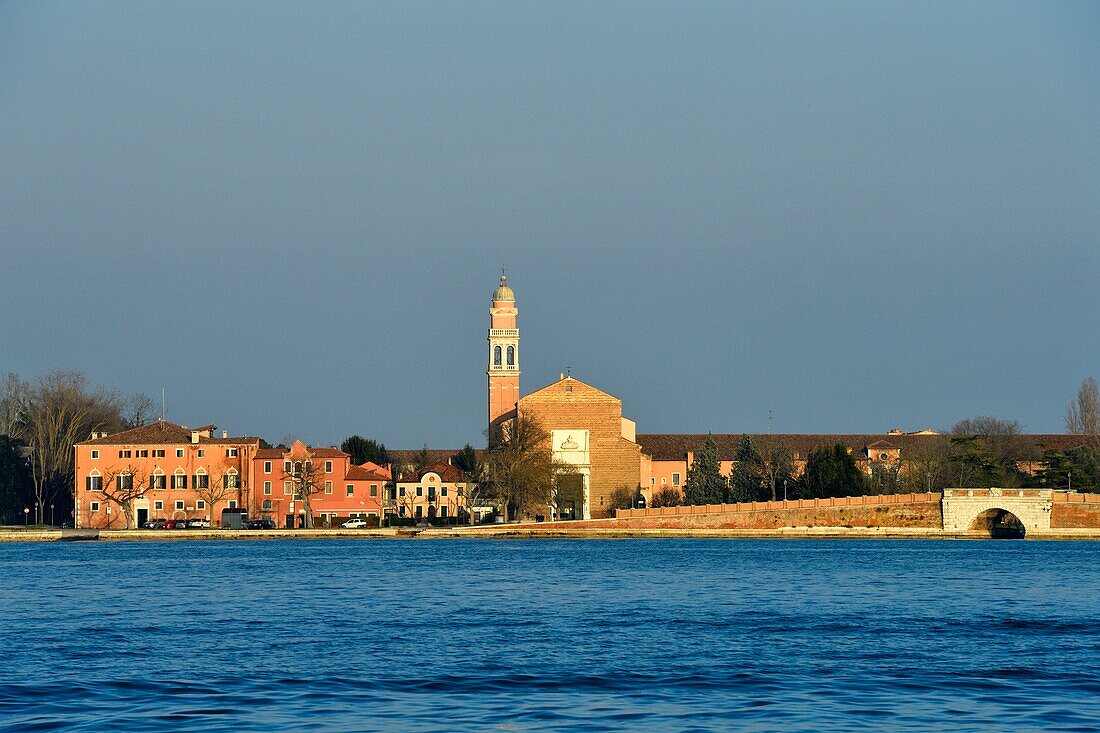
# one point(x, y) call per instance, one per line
point(521, 468)
point(831, 471)
point(11, 400)
point(363, 449)
point(55, 411)
point(466, 460)
point(705, 483)
point(15, 479)
point(776, 464)
point(216, 490)
point(666, 496)
point(745, 478)
point(308, 479)
point(1083, 414)
point(122, 487)
point(421, 459)
point(139, 410)
point(986, 452)
point(927, 464)
point(623, 497)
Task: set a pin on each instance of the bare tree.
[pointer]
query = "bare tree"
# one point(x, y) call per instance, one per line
point(1083, 414)
point(927, 464)
point(308, 479)
point(217, 490)
point(521, 467)
point(139, 410)
point(666, 496)
point(11, 400)
point(776, 462)
point(56, 411)
point(122, 487)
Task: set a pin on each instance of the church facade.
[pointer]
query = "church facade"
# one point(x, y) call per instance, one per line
point(587, 430)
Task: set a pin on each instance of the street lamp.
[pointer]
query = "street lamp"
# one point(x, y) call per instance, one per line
point(784, 489)
point(26, 514)
point(51, 515)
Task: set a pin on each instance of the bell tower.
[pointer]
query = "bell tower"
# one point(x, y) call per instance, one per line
point(503, 368)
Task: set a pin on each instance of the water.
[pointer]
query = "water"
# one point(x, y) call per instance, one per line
point(627, 635)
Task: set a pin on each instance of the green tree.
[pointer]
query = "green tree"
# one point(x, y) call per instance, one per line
point(466, 460)
point(831, 471)
point(363, 449)
point(16, 484)
point(746, 480)
point(705, 483)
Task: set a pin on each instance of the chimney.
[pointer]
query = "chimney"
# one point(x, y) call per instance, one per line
point(194, 436)
point(225, 433)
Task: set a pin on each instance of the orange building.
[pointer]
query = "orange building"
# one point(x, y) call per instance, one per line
point(336, 490)
point(160, 471)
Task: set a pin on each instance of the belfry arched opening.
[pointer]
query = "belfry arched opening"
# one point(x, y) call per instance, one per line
point(1001, 524)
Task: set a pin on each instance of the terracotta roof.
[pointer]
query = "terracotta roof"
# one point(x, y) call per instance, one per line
point(269, 453)
point(163, 432)
point(673, 447)
point(358, 473)
point(448, 473)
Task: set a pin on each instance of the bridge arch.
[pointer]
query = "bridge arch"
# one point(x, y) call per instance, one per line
point(1000, 523)
point(1027, 510)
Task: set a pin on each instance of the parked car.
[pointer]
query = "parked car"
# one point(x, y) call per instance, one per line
point(179, 524)
point(149, 524)
point(354, 524)
point(162, 524)
point(198, 523)
point(262, 523)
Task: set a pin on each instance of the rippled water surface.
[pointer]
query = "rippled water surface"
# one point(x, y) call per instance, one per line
point(631, 635)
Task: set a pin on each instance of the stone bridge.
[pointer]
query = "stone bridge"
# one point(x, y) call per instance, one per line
point(962, 508)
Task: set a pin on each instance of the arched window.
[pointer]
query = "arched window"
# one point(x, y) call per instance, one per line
point(496, 356)
point(511, 356)
point(179, 479)
point(158, 479)
point(267, 504)
point(231, 479)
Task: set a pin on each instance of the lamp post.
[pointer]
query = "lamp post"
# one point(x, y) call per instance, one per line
point(51, 515)
point(1069, 477)
point(784, 489)
point(26, 515)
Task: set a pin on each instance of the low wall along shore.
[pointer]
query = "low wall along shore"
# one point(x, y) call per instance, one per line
point(894, 510)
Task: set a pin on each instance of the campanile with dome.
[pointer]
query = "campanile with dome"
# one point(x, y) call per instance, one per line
point(503, 371)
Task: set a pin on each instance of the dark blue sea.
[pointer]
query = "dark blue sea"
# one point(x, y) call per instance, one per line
point(585, 635)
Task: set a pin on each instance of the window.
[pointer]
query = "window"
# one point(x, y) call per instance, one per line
point(124, 454)
point(202, 481)
point(663, 481)
point(443, 512)
point(179, 505)
point(267, 488)
point(124, 482)
point(95, 455)
point(419, 511)
point(200, 504)
point(267, 504)
point(286, 466)
point(374, 489)
point(267, 466)
point(328, 466)
point(288, 488)
point(420, 491)
point(401, 511)
point(675, 479)
point(158, 481)
point(328, 487)
point(179, 452)
point(351, 489)
point(231, 452)
point(443, 491)
point(201, 452)
point(232, 503)
point(141, 454)
point(158, 505)
point(883, 457)
point(652, 481)
point(94, 483)
point(179, 479)
point(94, 506)
point(159, 453)
point(231, 480)
point(496, 356)
point(511, 356)
point(400, 490)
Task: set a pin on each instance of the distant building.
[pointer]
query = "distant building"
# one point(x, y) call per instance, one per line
point(436, 491)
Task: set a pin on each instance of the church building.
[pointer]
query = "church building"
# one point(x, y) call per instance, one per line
point(587, 429)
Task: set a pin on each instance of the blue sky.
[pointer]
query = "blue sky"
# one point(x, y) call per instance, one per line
point(858, 216)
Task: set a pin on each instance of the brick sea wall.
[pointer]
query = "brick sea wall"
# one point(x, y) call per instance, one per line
point(896, 510)
point(1075, 511)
